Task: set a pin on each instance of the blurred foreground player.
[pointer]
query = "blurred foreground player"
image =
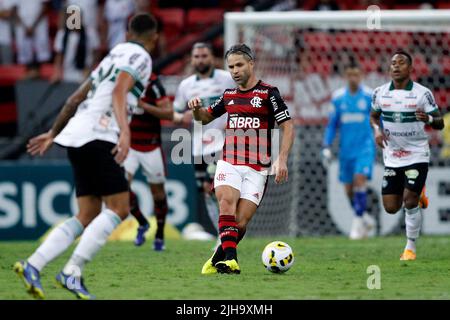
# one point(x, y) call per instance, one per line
point(240, 180)
point(404, 107)
point(351, 116)
point(97, 137)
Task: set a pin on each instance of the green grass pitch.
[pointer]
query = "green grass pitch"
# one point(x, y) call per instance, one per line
point(325, 268)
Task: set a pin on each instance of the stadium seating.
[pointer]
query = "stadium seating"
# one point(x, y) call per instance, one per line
point(173, 21)
point(200, 19)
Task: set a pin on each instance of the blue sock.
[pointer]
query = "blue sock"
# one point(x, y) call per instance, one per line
point(360, 202)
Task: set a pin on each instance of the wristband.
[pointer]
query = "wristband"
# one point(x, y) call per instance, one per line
point(430, 119)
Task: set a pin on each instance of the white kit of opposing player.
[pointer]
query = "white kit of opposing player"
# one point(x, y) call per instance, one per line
point(95, 120)
point(407, 140)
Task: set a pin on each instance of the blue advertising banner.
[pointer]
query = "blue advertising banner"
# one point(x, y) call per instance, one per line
point(36, 195)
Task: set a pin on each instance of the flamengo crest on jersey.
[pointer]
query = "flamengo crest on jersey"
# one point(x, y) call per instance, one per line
point(95, 118)
point(251, 117)
point(407, 139)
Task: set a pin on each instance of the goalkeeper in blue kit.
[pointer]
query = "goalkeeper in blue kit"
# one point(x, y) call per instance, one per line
point(351, 116)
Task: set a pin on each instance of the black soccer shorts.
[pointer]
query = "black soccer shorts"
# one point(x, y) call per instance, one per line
point(95, 170)
point(411, 177)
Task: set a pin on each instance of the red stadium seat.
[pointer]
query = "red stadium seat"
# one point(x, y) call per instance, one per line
point(411, 6)
point(420, 66)
point(176, 67)
point(390, 40)
point(46, 71)
point(443, 5)
point(8, 112)
point(9, 74)
point(442, 97)
point(445, 64)
point(357, 40)
point(187, 40)
point(199, 19)
point(320, 41)
point(173, 22)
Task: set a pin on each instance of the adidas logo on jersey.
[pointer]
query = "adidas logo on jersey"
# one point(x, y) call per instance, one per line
point(231, 102)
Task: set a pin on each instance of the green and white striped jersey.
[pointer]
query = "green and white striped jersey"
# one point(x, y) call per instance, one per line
point(408, 141)
point(95, 118)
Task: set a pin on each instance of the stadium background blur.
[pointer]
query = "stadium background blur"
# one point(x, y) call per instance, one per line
point(37, 193)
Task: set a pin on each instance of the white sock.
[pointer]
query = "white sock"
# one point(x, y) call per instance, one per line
point(93, 239)
point(413, 221)
point(56, 243)
point(213, 211)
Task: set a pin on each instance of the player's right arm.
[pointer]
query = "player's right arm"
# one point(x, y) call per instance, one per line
point(200, 113)
point(375, 121)
point(40, 144)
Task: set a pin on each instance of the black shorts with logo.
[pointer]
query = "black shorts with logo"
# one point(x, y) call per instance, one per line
point(411, 177)
point(95, 170)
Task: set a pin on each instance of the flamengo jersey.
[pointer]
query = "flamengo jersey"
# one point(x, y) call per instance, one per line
point(209, 90)
point(249, 112)
point(95, 118)
point(408, 141)
point(146, 128)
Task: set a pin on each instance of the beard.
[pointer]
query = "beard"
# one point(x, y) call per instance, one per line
point(202, 69)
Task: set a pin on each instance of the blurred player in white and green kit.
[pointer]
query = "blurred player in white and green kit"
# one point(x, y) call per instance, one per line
point(208, 83)
point(405, 107)
point(93, 126)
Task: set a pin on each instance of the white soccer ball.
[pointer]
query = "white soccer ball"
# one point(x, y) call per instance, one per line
point(278, 257)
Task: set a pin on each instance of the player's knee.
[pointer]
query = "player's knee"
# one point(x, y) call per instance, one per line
point(411, 202)
point(122, 209)
point(226, 206)
point(391, 208)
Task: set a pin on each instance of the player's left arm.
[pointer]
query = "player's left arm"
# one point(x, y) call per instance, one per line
point(429, 113)
point(287, 140)
point(284, 121)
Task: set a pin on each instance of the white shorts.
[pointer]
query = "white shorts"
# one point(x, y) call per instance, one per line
point(152, 164)
point(250, 183)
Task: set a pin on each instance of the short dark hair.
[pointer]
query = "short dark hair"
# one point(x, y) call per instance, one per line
point(406, 54)
point(200, 45)
point(142, 23)
point(241, 49)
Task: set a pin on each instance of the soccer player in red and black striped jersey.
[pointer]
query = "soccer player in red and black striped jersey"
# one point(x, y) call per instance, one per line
point(253, 109)
point(146, 152)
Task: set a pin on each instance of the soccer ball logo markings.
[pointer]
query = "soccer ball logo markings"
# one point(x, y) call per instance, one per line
point(277, 257)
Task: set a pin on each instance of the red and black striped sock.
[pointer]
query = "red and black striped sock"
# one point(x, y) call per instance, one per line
point(219, 254)
point(228, 233)
point(135, 211)
point(161, 210)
